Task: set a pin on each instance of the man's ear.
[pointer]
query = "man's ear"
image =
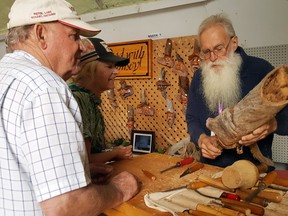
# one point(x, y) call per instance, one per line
point(235, 43)
point(40, 31)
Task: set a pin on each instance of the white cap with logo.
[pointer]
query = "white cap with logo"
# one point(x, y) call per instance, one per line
point(27, 12)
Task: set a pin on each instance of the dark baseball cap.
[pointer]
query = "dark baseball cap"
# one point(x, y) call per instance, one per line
point(97, 49)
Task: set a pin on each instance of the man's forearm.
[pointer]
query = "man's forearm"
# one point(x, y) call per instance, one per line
point(90, 200)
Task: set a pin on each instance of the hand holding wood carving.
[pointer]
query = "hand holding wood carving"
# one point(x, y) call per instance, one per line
point(259, 133)
point(209, 146)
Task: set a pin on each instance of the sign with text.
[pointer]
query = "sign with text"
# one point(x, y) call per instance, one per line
point(139, 52)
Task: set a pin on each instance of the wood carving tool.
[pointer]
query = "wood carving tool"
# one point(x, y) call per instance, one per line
point(194, 167)
point(246, 211)
point(214, 183)
point(255, 200)
point(208, 209)
point(192, 186)
point(149, 175)
point(194, 213)
point(281, 181)
point(268, 195)
point(227, 211)
point(257, 210)
point(179, 164)
point(206, 192)
point(234, 201)
point(267, 180)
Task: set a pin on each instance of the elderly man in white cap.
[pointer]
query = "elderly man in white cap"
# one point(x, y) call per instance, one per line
point(43, 162)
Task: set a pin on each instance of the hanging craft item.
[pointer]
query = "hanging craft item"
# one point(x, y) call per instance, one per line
point(130, 121)
point(167, 60)
point(183, 92)
point(143, 108)
point(194, 58)
point(162, 84)
point(125, 90)
point(258, 107)
point(112, 99)
point(179, 67)
point(170, 115)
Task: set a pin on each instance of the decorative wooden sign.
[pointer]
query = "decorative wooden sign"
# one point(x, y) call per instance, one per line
point(140, 54)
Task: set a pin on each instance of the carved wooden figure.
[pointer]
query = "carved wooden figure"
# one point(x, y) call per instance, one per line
point(179, 67)
point(143, 108)
point(259, 106)
point(162, 84)
point(130, 121)
point(194, 58)
point(125, 90)
point(183, 92)
point(170, 115)
point(167, 60)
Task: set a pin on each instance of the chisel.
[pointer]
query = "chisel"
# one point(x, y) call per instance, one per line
point(180, 164)
point(193, 168)
point(267, 180)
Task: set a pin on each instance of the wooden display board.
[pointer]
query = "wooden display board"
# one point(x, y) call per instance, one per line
point(140, 55)
point(116, 119)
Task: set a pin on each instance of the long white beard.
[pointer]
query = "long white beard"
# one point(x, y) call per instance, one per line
point(222, 86)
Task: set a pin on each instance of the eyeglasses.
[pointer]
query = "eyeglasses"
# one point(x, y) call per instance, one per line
point(219, 50)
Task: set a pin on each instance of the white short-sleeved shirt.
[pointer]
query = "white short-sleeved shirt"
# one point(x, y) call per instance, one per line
point(42, 151)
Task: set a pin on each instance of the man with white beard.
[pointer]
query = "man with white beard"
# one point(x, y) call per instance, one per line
point(226, 75)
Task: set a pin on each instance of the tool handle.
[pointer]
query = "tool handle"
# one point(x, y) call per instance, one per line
point(227, 211)
point(256, 200)
point(196, 166)
point(196, 185)
point(281, 181)
point(257, 210)
point(214, 183)
point(230, 196)
point(208, 209)
point(199, 184)
point(185, 161)
point(269, 178)
point(196, 213)
point(244, 210)
point(149, 175)
point(268, 195)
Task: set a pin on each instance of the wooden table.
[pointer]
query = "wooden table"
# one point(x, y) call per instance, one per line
point(154, 163)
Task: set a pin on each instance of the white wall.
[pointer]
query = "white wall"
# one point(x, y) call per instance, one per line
point(256, 22)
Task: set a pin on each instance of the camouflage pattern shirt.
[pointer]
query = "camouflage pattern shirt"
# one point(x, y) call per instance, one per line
point(92, 118)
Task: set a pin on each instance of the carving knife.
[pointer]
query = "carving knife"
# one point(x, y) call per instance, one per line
point(180, 164)
point(267, 180)
point(193, 168)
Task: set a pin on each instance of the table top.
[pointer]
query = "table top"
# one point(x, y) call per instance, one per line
point(154, 163)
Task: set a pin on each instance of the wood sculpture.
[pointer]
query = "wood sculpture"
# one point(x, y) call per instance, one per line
point(167, 60)
point(125, 90)
point(162, 84)
point(130, 121)
point(259, 106)
point(194, 58)
point(179, 67)
point(170, 115)
point(183, 92)
point(143, 108)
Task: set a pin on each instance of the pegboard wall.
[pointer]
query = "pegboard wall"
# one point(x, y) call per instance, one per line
point(116, 119)
point(276, 55)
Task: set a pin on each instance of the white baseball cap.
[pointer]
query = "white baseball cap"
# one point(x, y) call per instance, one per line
point(27, 12)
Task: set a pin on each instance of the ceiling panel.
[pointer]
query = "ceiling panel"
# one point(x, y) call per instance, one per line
point(82, 7)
